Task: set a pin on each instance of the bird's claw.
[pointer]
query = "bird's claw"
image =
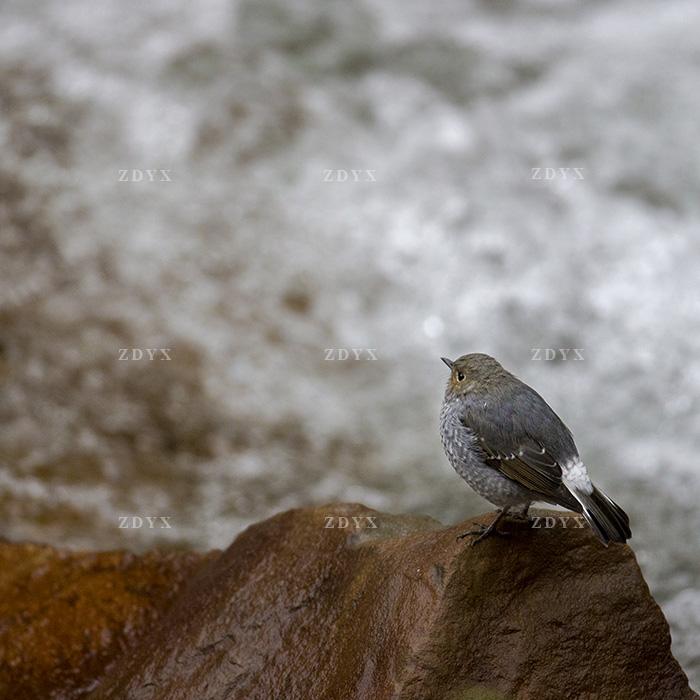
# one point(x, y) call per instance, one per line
point(480, 531)
point(483, 532)
point(521, 517)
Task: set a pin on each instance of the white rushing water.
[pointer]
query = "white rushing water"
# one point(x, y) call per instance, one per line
point(406, 178)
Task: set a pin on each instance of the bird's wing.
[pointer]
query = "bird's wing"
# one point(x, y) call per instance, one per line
point(522, 437)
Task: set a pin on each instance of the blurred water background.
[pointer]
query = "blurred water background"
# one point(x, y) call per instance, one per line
point(246, 263)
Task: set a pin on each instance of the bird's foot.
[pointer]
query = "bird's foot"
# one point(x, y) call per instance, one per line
point(483, 532)
point(522, 516)
point(486, 531)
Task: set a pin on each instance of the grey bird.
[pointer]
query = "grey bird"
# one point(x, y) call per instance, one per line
point(504, 440)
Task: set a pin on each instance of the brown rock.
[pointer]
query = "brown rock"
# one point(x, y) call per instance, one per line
point(65, 615)
point(294, 610)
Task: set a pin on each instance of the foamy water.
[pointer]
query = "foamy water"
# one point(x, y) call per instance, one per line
point(249, 185)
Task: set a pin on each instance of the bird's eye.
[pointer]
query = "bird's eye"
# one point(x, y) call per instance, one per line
point(460, 377)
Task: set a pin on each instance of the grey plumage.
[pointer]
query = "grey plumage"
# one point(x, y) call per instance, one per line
point(506, 442)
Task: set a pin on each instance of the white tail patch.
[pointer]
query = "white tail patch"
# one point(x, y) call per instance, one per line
point(575, 477)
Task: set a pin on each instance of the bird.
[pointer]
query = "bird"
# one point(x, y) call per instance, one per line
point(506, 442)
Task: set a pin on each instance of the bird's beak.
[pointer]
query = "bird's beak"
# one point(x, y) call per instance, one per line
point(449, 363)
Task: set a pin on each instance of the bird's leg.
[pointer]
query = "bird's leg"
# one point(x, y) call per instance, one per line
point(484, 531)
point(522, 513)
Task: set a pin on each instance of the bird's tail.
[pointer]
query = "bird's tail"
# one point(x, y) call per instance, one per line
point(605, 517)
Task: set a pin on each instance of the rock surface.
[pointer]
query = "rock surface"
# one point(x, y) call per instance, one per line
point(296, 610)
point(64, 616)
point(385, 607)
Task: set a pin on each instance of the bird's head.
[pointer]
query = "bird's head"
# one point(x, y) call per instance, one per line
point(473, 372)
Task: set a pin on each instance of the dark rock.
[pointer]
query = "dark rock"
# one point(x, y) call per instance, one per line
point(64, 616)
point(298, 610)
